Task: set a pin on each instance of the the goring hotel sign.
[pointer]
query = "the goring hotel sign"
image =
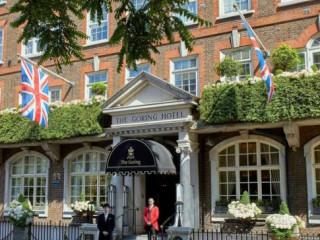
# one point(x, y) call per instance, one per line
point(159, 116)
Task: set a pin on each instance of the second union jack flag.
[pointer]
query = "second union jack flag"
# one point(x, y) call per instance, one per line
point(35, 89)
point(265, 73)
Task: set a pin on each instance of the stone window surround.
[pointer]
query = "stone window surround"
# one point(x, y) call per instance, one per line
point(8, 181)
point(213, 156)
point(88, 32)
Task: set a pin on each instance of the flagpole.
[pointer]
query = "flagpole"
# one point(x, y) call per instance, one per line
point(47, 70)
point(254, 34)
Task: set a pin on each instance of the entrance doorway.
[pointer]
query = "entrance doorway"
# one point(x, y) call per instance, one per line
point(162, 188)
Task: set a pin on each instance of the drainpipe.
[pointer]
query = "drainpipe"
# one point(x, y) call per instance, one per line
point(287, 149)
point(203, 205)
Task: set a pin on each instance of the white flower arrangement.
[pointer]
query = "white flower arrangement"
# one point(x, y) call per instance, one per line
point(59, 104)
point(81, 208)
point(280, 221)
point(243, 211)
point(20, 212)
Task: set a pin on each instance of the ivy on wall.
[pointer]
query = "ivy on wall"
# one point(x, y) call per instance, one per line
point(297, 96)
point(64, 122)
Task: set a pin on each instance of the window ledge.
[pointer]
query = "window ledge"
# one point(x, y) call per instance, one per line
point(314, 219)
point(189, 24)
point(292, 2)
point(230, 15)
point(3, 3)
point(88, 44)
point(67, 214)
point(32, 55)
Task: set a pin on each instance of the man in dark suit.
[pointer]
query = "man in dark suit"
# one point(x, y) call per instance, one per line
point(106, 223)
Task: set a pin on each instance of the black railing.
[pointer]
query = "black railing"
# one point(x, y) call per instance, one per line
point(6, 229)
point(217, 234)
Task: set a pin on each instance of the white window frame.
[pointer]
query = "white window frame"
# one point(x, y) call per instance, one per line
point(223, 15)
point(189, 22)
point(34, 53)
point(227, 52)
point(89, 41)
point(67, 211)
point(128, 78)
point(51, 89)
point(8, 179)
point(214, 159)
point(1, 45)
point(132, 1)
point(2, 2)
point(87, 85)
point(284, 3)
point(309, 51)
point(311, 185)
point(305, 58)
point(196, 70)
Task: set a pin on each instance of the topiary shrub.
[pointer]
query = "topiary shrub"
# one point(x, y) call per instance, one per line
point(285, 58)
point(278, 72)
point(98, 88)
point(245, 199)
point(228, 67)
point(284, 208)
point(314, 68)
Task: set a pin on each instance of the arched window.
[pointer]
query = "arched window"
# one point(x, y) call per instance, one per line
point(86, 175)
point(28, 175)
point(316, 42)
point(255, 165)
point(310, 55)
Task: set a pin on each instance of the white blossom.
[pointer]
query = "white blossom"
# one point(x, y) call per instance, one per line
point(243, 211)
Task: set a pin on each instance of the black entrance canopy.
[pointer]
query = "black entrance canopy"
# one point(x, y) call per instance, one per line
point(135, 156)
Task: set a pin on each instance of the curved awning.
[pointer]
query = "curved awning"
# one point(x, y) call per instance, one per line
point(134, 156)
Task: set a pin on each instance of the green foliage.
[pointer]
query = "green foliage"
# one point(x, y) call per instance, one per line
point(294, 98)
point(316, 202)
point(99, 88)
point(314, 68)
point(285, 58)
point(282, 233)
point(222, 202)
point(228, 67)
point(64, 122)
point(245, 199)
point(284, 208)
point(278, 71)
point(82, 198)
point(138, 31)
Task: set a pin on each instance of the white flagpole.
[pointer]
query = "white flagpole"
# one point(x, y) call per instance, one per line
point(47, 70)
point(267, 53)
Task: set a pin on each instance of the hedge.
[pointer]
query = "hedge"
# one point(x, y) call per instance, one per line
point(295, 97)
point(64, 122)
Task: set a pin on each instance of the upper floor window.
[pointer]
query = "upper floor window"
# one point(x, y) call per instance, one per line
point(28, 175)
point(98, 32)
point(184, 74)
point(138, 3)
point(244, 57)
point(192, 7)
point(131, 73)
point(1, 44)
point(87, 175)
point(227, 6)
point(3, 1)
point(54, 94)
point(32, 48)
point(94, 78)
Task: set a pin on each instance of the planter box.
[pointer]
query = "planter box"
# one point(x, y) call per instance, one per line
point(316, 210)
point(77, 220)
point(237, 226)
point(221, 209)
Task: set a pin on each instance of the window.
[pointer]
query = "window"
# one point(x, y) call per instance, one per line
point(3, 1)
point(98, 33)
point(227, 6)
point(94, 78)
point(185, 74)
point(87, 176)
point(54, 94)
point(192, 7)
point(1, 45)
point(302, 64)
point(29, 176)
point(256, 165)
point(138, 3)
point(32, 48)
point(244, 57)
point(131, 73)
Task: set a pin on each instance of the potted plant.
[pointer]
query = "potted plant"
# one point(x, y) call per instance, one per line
point(20, 212)
point(268, 206)
point(283, 225)
point(221, 206)
point(316, 205)
point(81, 210)
point(98, 89)
point(285, 58)
point(244, 212)
point(228, 67)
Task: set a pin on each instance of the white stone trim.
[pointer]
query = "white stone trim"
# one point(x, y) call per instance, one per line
point(213, 156)
point(8, 182)
point(311, 187)
point(67, 212)
point(285, 3)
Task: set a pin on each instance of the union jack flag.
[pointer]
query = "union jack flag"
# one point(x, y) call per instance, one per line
point(34, 94)
point(265, 73)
